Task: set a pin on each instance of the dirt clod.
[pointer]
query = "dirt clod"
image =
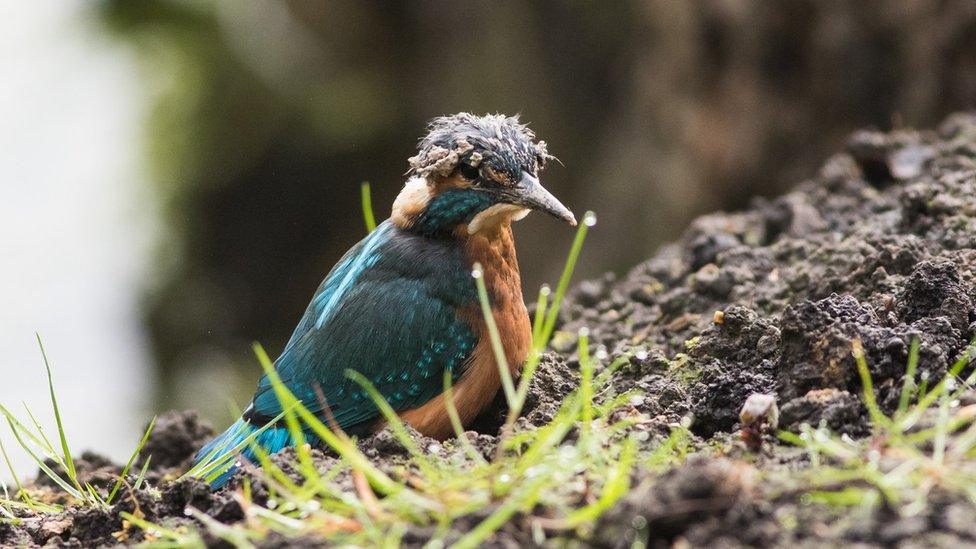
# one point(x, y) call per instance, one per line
point(175, 439)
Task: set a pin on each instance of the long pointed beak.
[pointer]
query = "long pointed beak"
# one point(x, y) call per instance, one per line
point(531, 194)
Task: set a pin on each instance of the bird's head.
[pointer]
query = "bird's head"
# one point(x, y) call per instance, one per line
point(475, 172)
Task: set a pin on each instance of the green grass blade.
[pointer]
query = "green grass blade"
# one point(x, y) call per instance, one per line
point(93, 494)
point(69, 462)
point(452, 414)
point(219, 458)
point(586, 382)
point(367, 203)
point(35, 439)
point(219, 453)
point(909, 385)
point(550, 435)
point(78, 494)
point(394, 421)
point(546, 321)
point(13, 474)
point(348, 451)
point(272, 474)
point(132, 459)
point(46, 446)
point(928, 398)
point(291, 423)
point(183, 540)
point(589, 220)
point(941, 429)
point(616, 486)
point(142, 473)
point(501, 515)
point(494, 335)
point(233, 536)
point(605, 375)
point(878, 417)
point(540, 316)
point(5, 511)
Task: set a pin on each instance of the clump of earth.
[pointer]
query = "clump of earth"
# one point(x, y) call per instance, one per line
point(879, 247)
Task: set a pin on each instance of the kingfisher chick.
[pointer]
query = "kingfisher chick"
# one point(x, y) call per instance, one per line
point(401, 307)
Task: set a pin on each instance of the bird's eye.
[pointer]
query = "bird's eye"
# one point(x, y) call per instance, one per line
point(468, 171)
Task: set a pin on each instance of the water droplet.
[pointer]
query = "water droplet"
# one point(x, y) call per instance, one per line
point(504, 478)
point(641, 355)
point(272, 503)
point(589, 219)
point(584, 332)
point(601, 353)
point(545, 290)
point(434, 449)
point(476, 273)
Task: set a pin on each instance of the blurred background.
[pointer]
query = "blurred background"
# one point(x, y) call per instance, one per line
point(178, 175)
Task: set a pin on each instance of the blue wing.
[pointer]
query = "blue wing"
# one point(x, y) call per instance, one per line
point(388, 310)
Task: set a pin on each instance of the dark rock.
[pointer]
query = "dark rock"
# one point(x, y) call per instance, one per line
point(934, 290)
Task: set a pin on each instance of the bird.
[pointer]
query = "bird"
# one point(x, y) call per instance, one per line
point(401, 307)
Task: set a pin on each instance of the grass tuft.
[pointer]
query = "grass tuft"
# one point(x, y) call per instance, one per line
point(132, 459)
point(575, 479)
point(904, 462)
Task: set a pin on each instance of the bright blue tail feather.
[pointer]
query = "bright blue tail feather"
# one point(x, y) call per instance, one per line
point(271, 440)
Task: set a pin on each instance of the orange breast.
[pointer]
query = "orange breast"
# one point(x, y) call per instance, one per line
point(495, 250)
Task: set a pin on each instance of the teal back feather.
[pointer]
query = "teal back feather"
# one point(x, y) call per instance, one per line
point(392, 316)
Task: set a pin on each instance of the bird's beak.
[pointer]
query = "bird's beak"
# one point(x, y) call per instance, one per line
point(531, 194)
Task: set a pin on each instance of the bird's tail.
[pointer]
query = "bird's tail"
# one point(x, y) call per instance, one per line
point(228, 446)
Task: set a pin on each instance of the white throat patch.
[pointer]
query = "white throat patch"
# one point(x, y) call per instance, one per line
point(495, 216)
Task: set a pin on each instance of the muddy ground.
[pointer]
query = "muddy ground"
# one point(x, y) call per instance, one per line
point(879, 246)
